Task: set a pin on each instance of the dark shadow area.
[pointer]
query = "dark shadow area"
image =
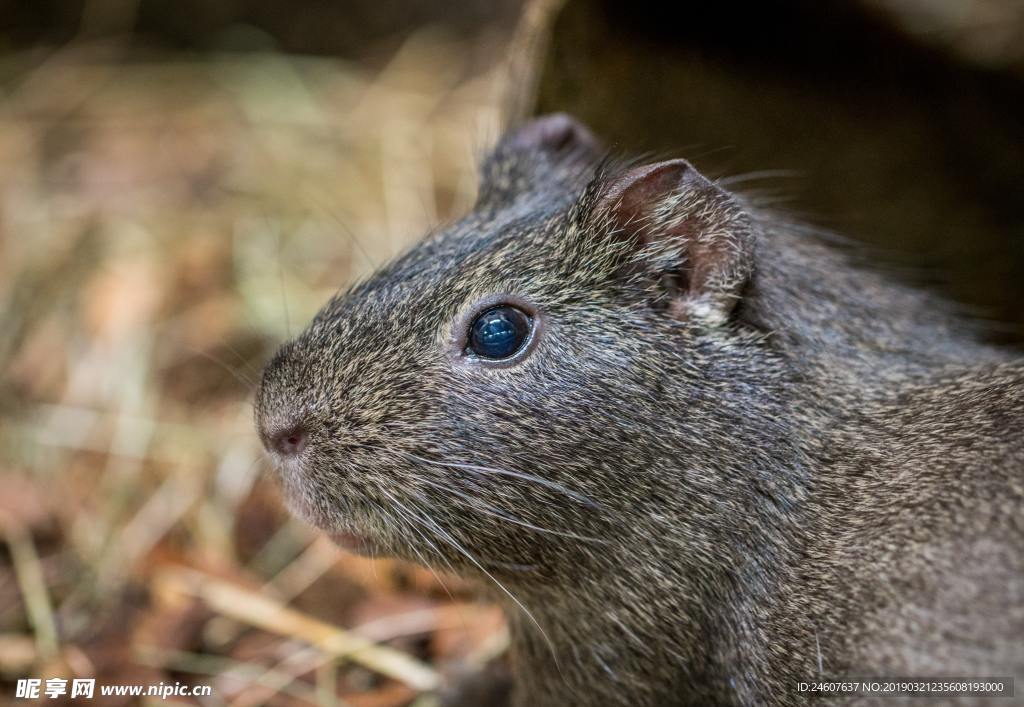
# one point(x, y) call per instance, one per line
point(906, 148)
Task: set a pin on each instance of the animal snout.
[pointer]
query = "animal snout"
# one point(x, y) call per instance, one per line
point(288, 441)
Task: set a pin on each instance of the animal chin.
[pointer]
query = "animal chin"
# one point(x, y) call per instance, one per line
point(306, 501)
point(357, 544)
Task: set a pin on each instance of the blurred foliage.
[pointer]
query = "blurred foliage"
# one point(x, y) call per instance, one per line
point(164, 224)
point(347, 28)
point(989, 33)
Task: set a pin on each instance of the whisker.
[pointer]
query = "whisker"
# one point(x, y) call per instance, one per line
point(388, 517)
point(444, 535)
point(246, 364)
point(486, 508)
point(284, 292)
point(484, 470)
point(760, 174)
point(330, 212)
point(491, 562)
point(238, 375)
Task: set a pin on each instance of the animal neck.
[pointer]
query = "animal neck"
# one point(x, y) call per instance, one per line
point(678, 617)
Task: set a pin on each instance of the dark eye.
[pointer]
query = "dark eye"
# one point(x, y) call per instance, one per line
point(499, 332)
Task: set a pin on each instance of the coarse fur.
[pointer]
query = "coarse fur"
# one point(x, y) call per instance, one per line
point(734, 459)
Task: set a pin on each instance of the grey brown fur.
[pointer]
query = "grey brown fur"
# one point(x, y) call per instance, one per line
point(735, 459)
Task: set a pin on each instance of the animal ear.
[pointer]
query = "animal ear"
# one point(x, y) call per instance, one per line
point(548, 152)
point(559, 135)
point(678, 226)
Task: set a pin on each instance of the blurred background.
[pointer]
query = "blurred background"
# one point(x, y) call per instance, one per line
point(182, 185)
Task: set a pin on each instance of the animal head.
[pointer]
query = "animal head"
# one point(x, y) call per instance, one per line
point(513, 387)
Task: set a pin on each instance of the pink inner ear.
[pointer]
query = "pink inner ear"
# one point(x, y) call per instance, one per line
point(632, 198)
point(673, 204)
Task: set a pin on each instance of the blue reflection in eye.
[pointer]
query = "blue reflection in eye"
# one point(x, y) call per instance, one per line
point(499, 332)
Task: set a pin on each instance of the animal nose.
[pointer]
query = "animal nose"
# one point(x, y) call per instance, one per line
point(290, 441)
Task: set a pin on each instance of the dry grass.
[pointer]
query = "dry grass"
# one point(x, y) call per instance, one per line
point(163, 225)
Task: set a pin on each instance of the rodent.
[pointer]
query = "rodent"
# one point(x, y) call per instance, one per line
point(699, 453)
